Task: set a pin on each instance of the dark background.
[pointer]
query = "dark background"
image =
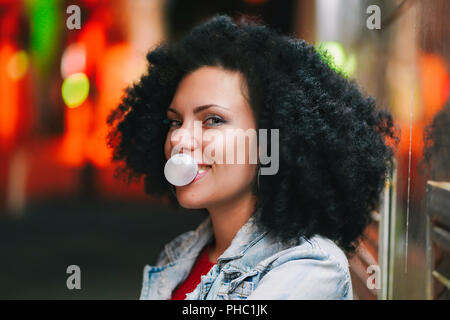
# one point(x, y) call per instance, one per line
point(110, 241)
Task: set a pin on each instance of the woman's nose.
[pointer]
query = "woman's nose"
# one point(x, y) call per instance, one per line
point(184, 140)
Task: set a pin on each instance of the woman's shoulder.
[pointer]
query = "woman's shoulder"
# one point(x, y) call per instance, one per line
point(317, 248)
point(325, 248)
point(316, 268)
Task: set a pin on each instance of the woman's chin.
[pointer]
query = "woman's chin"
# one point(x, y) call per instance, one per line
point(190, 201)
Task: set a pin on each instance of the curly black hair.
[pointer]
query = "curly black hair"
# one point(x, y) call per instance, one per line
point(334, 143)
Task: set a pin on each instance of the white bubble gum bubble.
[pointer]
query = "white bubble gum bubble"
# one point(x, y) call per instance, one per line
point(180, 169)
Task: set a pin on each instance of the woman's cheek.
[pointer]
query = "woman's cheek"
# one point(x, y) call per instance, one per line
point(213, 147)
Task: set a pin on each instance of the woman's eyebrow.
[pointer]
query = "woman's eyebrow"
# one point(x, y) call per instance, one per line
point(198, 109)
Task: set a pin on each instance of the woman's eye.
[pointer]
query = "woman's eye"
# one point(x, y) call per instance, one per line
point(214, 121)
point(210, 121)
point(173, 123)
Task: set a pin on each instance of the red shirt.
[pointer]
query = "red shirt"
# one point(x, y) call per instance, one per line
point(201, 267)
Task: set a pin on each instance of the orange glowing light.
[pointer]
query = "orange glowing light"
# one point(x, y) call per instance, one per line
point(9, 106)
point(93, 38)
point(434, 82)
point(77, 124)
point(112, 81)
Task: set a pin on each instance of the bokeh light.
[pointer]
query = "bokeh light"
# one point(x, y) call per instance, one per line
point(73, 60)
point(334, 54)
point(45, 30)
point(18, 65)
point(75, 89)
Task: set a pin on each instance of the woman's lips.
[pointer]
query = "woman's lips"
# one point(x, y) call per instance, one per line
point(201, 174)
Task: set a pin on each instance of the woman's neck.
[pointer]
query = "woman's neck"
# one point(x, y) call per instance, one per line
point(226, 220)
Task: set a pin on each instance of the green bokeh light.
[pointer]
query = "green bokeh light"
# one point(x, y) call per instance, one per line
point(333, 53)
point(75, 89)
point(350, 65)
point(45, 29)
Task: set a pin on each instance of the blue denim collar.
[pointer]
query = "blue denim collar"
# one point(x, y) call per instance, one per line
point(191, 246)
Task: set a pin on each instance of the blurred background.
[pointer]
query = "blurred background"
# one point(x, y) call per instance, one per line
point(61, 205)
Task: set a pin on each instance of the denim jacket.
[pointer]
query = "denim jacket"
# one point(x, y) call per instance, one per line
point(254, 266)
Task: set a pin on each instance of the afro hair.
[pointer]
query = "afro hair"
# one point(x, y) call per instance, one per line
point(334, 143)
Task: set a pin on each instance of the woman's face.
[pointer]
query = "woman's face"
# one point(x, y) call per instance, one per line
point(211, 100)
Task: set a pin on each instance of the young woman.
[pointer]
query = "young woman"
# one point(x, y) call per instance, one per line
point(268, 236)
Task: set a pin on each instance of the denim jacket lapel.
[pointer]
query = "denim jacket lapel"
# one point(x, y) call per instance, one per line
point(174, 265)
point(228, 262)
point(247, 235)
point(181, 253)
